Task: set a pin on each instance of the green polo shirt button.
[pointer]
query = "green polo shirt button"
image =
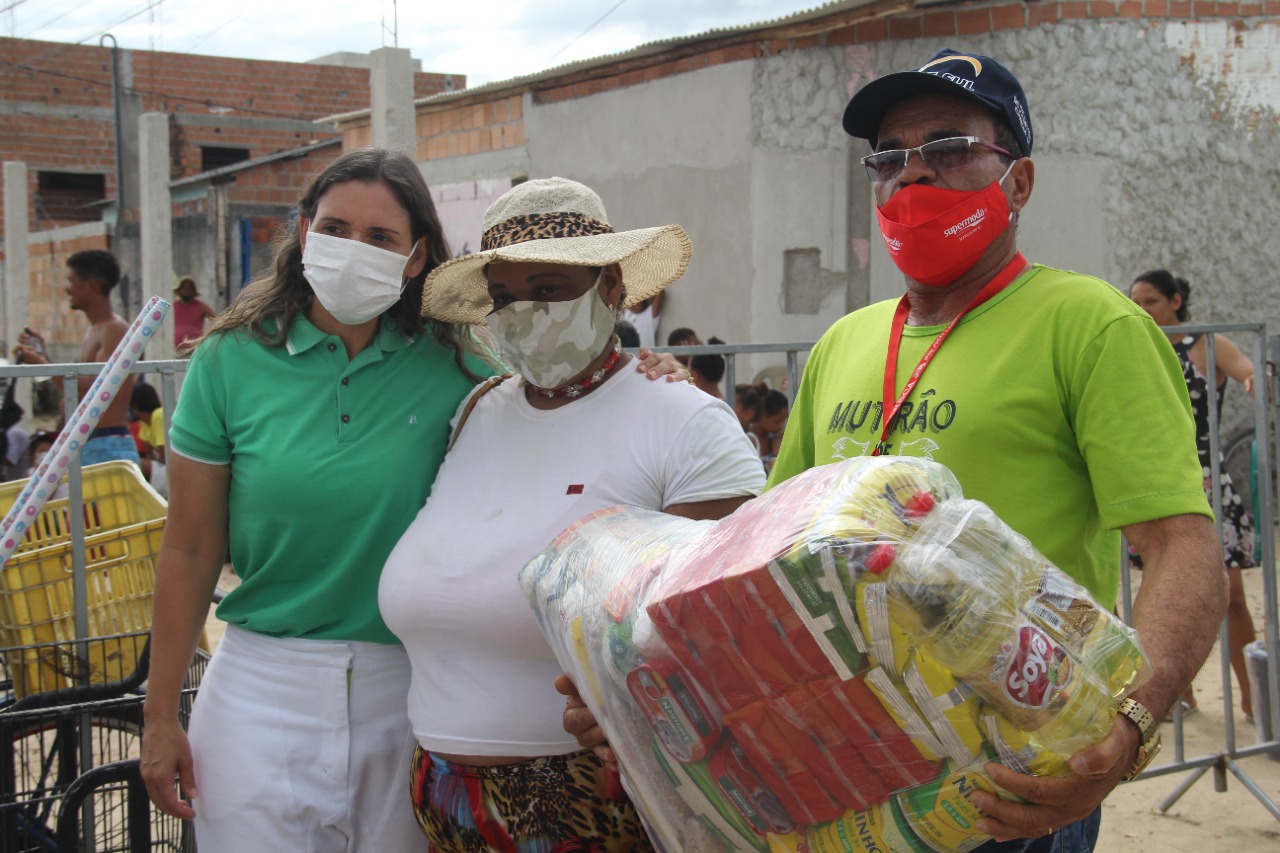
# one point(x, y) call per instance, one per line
point(346, 380)
point(346, 419)
point(332, 347)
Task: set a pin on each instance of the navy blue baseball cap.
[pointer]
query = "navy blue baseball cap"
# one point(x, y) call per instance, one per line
point(950, 72)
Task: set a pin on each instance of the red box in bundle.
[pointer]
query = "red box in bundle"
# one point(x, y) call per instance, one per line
point(729, 622)
point(708, 645)
point(742, 786)
point(784, 758)
point(777, 629)
point(885, 747)
point(838, 761)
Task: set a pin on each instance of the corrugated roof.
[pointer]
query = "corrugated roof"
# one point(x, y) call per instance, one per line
point(646, 49)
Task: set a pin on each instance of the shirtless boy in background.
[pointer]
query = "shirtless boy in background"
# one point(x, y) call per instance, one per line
point(91, 276)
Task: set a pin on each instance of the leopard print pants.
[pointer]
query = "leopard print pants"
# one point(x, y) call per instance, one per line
point(558, 804)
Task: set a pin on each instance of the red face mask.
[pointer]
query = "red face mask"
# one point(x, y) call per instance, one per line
point(935, 235)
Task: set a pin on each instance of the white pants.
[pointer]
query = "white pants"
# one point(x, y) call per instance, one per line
point(304, 746)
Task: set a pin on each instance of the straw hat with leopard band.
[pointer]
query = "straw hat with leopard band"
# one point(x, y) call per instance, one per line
point(554, 221)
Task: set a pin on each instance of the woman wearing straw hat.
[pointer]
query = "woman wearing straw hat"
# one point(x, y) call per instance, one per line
point(494, 770)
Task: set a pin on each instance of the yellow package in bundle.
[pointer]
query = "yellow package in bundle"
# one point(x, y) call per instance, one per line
point(973, 593)
point(933, 818)
point(1019, 750)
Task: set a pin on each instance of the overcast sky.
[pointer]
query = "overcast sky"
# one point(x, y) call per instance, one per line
point(486, 40)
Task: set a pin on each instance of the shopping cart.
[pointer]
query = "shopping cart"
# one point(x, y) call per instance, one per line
point(71, 701)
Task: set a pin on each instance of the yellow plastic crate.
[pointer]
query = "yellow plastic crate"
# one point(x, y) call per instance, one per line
point(115, 495)
point(124, 523)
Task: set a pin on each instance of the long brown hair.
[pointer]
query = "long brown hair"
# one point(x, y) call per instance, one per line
point(267, 307)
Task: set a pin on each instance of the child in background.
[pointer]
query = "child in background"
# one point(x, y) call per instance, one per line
point(41, 443)
point(768, 426)
point(708, 371)
point(149, 418)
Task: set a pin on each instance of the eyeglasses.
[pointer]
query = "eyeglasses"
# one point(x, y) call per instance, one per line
point(941, 155)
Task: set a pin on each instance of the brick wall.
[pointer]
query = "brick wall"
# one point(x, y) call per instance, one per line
point(280, 182)
point(215, 101)
point(450, 130)
point(50, 312)
point(472, 129)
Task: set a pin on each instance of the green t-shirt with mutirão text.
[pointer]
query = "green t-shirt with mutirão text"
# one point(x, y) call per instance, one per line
point(1058, 403)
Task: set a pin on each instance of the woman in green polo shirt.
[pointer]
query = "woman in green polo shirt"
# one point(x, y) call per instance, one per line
point(311, 423)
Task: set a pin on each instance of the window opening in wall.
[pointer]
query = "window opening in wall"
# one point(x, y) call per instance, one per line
point(217, 156)
point(70, 196)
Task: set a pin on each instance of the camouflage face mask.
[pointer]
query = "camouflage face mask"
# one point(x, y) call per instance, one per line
point(552, 342)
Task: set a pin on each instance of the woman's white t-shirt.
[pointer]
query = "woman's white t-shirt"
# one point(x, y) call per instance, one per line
point(482, 672)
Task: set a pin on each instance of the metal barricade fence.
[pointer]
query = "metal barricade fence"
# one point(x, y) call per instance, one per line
point(1264, 352)
point(1252, 339)
point(731, 352)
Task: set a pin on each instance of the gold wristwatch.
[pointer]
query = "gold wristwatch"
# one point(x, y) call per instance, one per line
point(1147, 727)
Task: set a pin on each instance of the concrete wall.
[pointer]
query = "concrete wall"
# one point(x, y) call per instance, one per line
point(810, 245)
point(680, 150)
point(461, 206)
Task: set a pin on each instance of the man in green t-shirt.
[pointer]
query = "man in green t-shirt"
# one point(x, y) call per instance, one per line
point(1048, 394)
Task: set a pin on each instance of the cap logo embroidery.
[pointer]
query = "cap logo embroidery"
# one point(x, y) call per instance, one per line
point(977, 66)
point(959, 81)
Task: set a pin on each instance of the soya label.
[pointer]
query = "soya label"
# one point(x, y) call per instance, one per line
point(1034, 667)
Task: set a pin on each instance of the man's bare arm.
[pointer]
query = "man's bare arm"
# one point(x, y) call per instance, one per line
point(1181, 602)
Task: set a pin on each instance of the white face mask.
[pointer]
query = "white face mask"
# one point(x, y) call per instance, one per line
point(552, 342)
point(354, 281)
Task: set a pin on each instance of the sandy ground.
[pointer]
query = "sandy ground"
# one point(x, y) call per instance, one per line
point(1202, 820)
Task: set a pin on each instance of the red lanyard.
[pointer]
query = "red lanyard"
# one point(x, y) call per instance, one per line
point(997, 284)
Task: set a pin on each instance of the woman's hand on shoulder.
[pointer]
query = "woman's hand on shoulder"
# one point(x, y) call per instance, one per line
point(658, 364)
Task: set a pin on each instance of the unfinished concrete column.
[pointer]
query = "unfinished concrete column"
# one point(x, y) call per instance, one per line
point(17, 275)
point(157, 223)
point(391, 99)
